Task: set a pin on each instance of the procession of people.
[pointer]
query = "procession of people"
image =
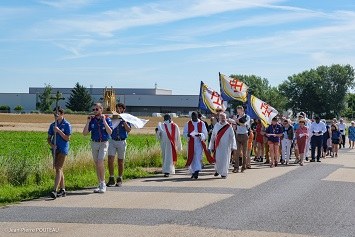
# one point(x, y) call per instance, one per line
point(232, 141)
point(228, 143)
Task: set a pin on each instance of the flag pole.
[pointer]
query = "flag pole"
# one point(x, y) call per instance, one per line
point(199, 98)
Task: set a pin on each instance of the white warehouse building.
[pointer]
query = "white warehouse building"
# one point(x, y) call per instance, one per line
point(139, 101)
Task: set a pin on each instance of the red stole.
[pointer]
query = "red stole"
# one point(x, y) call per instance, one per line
point(172, 139)
point(219, 136)
point(191, 144)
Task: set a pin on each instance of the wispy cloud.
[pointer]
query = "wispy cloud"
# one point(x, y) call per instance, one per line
point(257, 21)
point(110, 39)
point(75, 46)
point(315, 42)
point(145, 50)
point(66, 4)
point(13, 12)
point(305, 40)
point(319, 44)
point(107, 23)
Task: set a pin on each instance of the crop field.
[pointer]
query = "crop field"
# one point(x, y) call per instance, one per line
point(73, 118)
point(26, 163)
point(40, 122)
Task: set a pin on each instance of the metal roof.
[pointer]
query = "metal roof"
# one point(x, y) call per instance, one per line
point(99, 91)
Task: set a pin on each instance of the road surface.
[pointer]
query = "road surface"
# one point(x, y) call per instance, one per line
point(317, 199)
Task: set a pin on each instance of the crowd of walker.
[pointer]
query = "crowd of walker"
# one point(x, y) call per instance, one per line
point(225, 142)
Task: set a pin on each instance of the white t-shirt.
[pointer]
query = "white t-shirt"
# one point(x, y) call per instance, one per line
point(342, 127)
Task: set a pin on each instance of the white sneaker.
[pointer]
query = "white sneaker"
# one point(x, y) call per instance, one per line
point(102, 188)
point(97, 190)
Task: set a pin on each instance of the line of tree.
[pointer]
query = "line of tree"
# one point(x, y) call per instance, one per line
point(80, 99)
point(323, 91)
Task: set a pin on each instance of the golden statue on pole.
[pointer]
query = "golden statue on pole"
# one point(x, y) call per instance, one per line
point(110, 101)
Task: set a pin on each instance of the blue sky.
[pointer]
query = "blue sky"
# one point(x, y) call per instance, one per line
point(176, 44)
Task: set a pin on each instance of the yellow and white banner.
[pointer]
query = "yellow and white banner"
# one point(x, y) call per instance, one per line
point(258, 108)
point(210, 99)
point(233, 88)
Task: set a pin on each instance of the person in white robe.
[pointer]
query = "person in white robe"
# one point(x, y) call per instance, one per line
point(196, 133)
point(222, 144)
point(168, 133)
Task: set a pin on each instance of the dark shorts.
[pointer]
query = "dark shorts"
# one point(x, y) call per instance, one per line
point(335, 141)
point(59, 160)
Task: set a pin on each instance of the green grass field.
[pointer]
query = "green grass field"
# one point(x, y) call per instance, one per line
point(26, 163)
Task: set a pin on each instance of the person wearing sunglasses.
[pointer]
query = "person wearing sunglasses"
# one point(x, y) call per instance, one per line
point(100, 128)
point(219, 110)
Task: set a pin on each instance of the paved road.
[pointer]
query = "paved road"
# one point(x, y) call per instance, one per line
point(315, 200)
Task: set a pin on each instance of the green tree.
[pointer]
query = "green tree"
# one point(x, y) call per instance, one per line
point(301, 91)
point(45, 99)
point(337, 80)
point(349, 111)
point(321, 90)
point(276, 99)
point(261, 88)
point(80, 99)
point(18, 108)
point(4, 109)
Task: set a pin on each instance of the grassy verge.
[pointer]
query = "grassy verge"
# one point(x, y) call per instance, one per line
point(26, 165)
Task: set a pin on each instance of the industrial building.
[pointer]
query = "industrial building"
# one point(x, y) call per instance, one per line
point(139, 101)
